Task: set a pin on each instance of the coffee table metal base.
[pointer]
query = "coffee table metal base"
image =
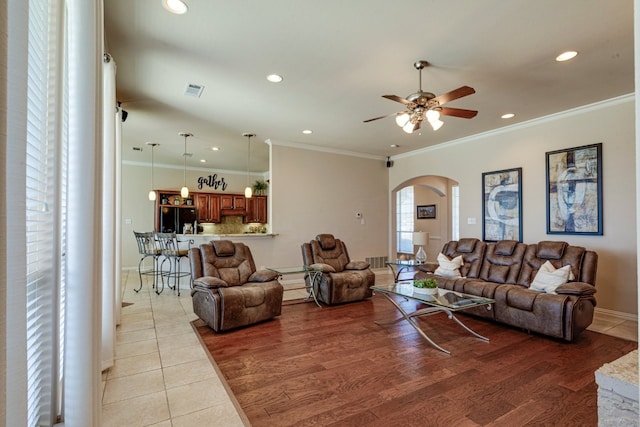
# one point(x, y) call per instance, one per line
point(428, 311)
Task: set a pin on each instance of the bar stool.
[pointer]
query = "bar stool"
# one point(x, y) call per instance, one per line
point(147, 248)
point(170, 250)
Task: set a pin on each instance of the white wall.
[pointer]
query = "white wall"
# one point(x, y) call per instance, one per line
point(611, 123)
point(310, 193)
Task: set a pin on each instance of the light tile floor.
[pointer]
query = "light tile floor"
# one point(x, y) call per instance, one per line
point(163, 377)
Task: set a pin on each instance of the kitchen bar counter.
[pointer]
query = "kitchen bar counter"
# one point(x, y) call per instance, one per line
point(223, 236)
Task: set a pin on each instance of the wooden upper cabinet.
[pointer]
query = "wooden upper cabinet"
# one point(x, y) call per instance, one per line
point(208, 206)
point(256, 210)
point(233, 202)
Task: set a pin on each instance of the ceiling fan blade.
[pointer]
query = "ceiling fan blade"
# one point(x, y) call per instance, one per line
point(458, 112)
point(454, 94)
point(382, 117)
point(397, 99)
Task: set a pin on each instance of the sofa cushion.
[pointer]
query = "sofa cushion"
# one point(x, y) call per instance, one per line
point(466, 246)
point(263, 276)
point(327, 241)
point(210, 282)
point(357, 265)
point(223, 247)
point(551, 250)
point(325, 268)
point(505, 247)
point(447, 267)
point(498, 273)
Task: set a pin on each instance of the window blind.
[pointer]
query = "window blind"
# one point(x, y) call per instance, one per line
point(43, 213)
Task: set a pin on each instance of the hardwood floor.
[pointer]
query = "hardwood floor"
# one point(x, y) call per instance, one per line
point(333, 366)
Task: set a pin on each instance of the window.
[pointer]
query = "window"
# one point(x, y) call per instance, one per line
point(455, 212)
point(404, 220)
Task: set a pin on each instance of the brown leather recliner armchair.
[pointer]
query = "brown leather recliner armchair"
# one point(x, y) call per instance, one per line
point(342, 280)
point(227, 291)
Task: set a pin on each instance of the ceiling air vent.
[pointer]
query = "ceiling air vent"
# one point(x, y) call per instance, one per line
point(193, 90)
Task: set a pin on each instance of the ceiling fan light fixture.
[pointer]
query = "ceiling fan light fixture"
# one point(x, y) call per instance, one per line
point(402, 119)
point(436, 124)
point(433, 115)
point(565, 56)
point(175, 6)
point(408, 128)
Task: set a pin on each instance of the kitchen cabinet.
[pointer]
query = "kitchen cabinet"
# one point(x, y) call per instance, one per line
point(256, 210)
point(234, 202)
point(208, 206)
point(233, 205)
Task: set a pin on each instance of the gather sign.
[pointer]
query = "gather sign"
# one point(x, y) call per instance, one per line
point(212, 181)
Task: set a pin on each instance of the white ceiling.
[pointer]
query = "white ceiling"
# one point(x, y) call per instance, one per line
point(339, 57)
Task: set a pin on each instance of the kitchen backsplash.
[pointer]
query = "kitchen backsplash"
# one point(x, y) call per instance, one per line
point(233, 225)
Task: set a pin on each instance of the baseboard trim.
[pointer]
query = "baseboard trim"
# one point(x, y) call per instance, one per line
point(617, 314)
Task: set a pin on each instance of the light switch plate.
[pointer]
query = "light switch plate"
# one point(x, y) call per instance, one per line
point(471, 220)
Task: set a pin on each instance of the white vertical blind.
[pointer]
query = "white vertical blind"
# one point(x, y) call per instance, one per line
point(41, 208)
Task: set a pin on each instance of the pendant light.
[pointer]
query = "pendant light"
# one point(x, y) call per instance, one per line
point(247, 190)
point(152, 192)
point(184, 192)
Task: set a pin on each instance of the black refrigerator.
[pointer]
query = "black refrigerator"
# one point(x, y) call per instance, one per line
point(173, 219)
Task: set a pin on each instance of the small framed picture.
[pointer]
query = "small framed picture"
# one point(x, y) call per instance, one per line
point(426, 212)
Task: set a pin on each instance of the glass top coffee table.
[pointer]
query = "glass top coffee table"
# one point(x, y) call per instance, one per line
point(444, 302)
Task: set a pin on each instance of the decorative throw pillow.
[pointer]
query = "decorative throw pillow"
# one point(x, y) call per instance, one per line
point(548, 278)
point(448, 267)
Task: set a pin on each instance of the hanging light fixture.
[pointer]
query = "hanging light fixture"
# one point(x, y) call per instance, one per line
point(247, 190)
point(184, 192)
point(152, 192)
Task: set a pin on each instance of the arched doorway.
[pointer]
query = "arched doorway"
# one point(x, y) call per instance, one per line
point(429, 191)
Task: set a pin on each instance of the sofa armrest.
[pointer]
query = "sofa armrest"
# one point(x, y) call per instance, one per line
point(576, 288)
point(428, 267)
point(357, 265)
point(325, 268)
point(209, 282)
point(263, 276)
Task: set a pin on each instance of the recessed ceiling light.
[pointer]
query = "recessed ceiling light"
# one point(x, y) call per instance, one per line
point(565, 56)
point(215, 148)
point(175, 6)
point(203, 161)
point(307, 131)
point(508, 115)
point(394, 146)
point(274, 78)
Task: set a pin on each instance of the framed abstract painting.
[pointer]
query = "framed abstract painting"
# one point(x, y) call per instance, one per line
point(574, 190)
point(502, 205)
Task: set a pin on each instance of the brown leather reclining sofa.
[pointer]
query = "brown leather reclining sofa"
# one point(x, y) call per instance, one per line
point(504, 271)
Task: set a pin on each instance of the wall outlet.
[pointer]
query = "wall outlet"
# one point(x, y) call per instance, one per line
point(128, 221)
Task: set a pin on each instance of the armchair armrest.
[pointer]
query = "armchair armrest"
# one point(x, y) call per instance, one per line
point(209, 282)
point(428, 267)
point(357, 265)
point(325, 268)
point(576, 288)
point(263, 276)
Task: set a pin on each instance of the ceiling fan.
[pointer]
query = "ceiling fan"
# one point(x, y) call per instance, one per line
point(426, 106)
